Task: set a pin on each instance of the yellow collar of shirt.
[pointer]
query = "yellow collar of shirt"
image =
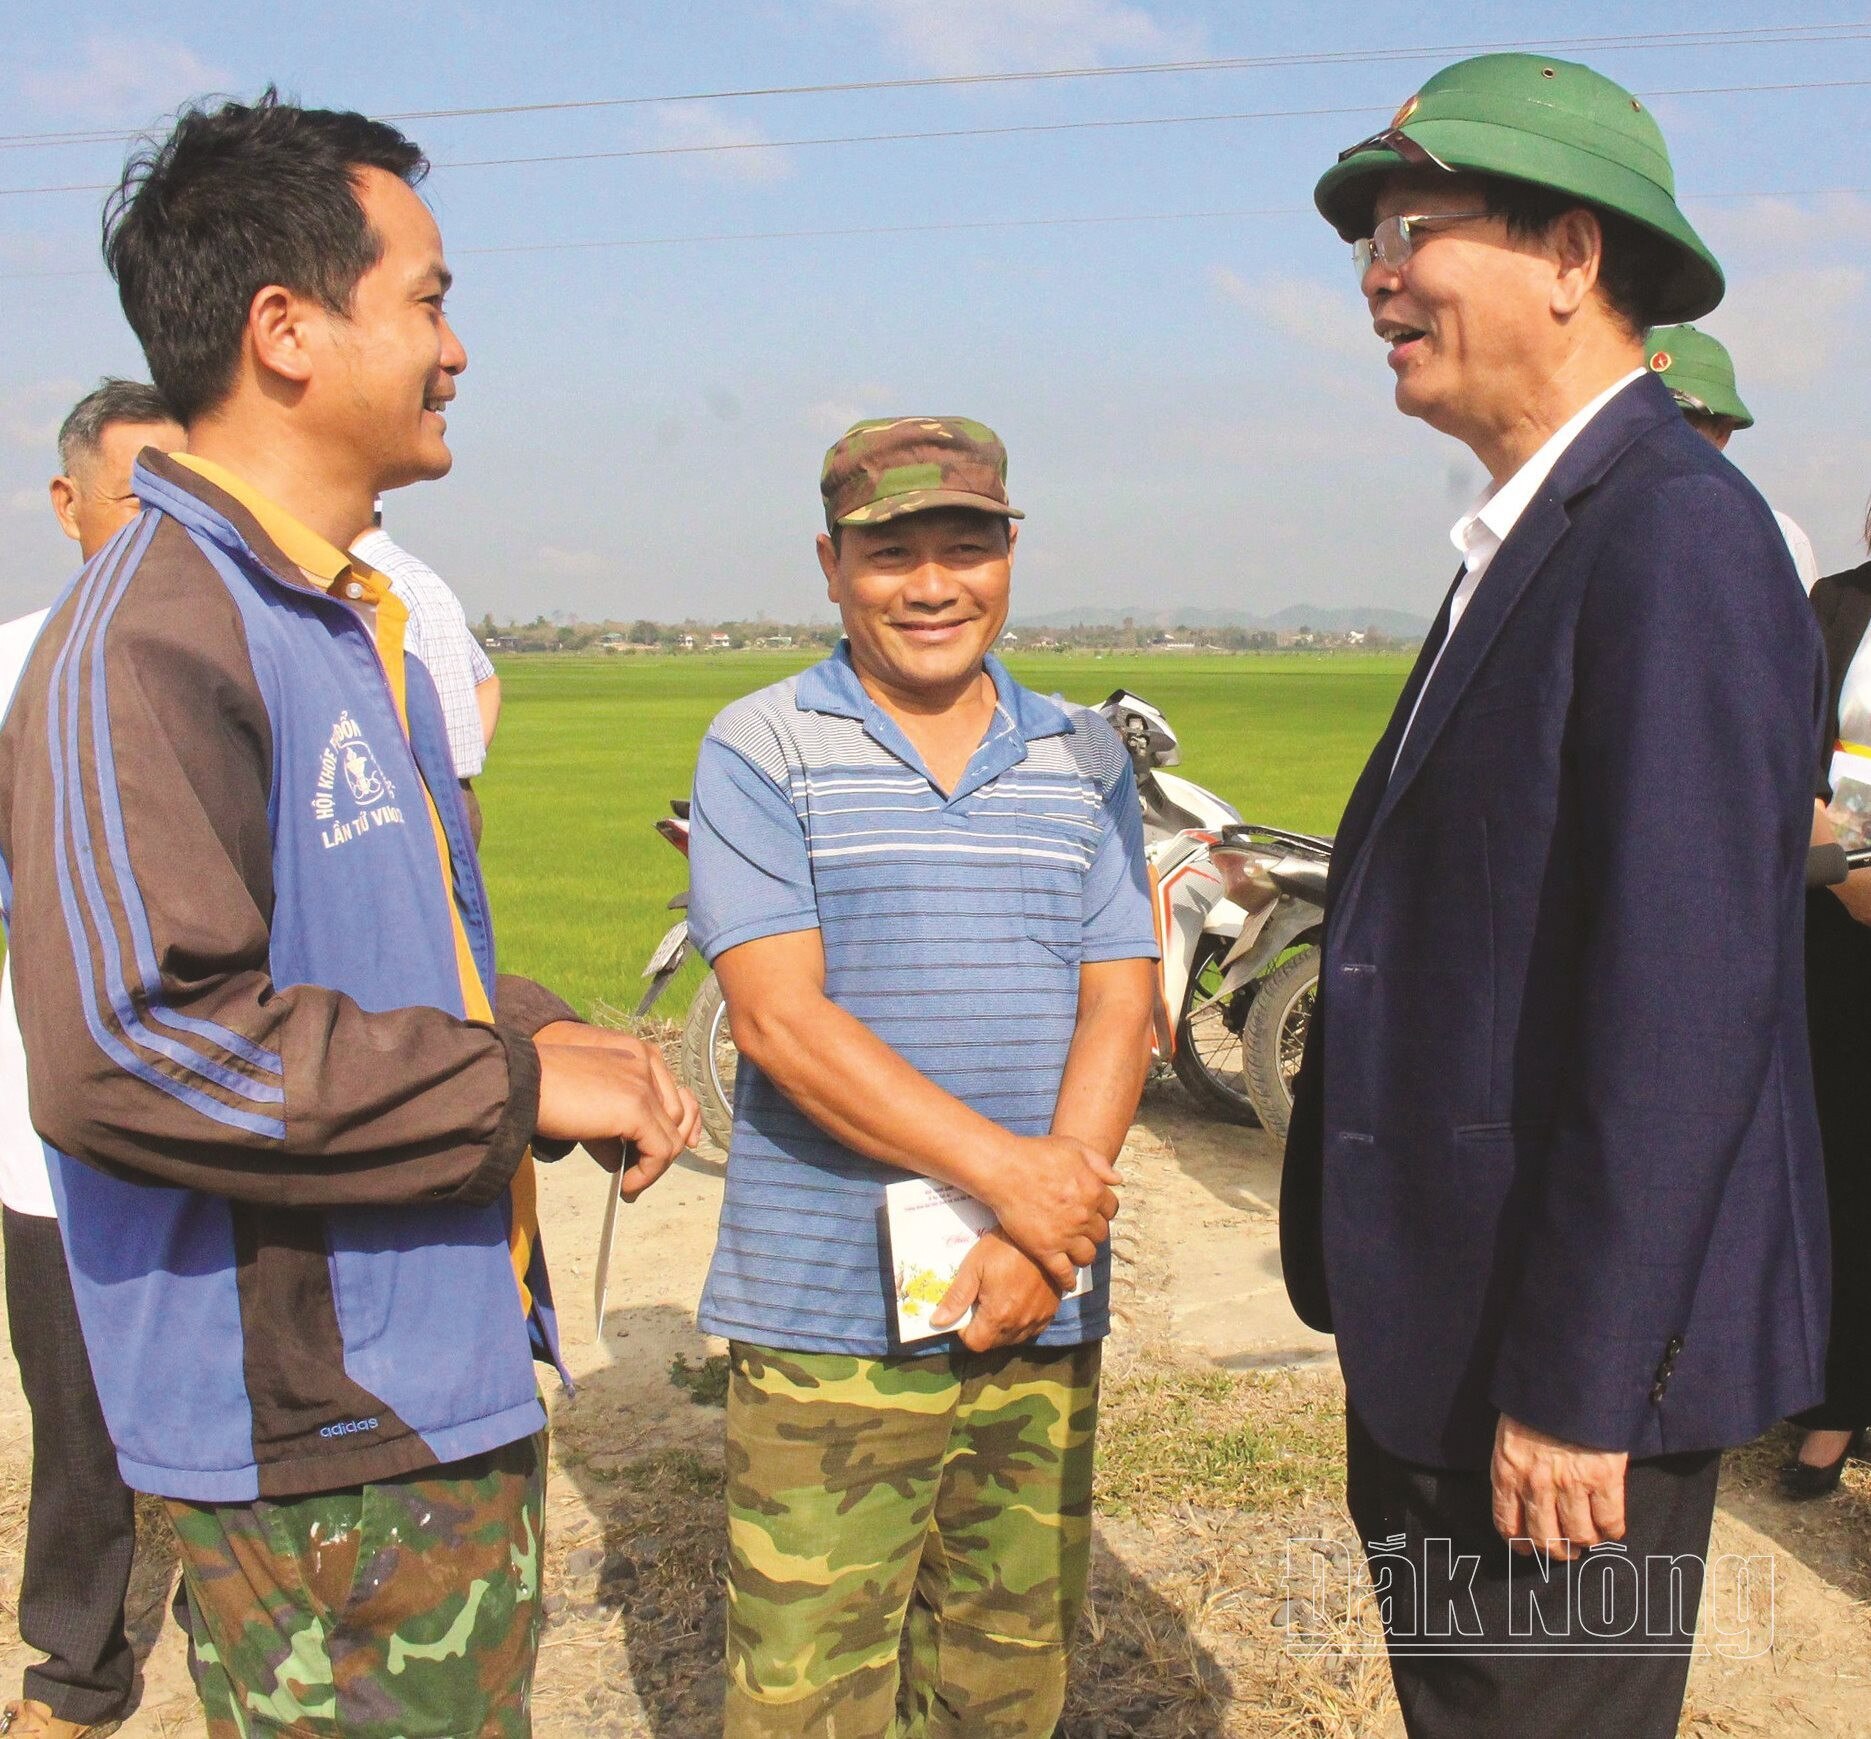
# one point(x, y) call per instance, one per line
point(325, 565)
point(322, 562)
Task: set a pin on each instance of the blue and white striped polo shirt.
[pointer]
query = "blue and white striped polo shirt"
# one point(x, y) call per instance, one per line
point(953, 927)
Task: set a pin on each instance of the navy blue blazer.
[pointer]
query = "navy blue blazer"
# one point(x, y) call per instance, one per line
point(1553, 1149)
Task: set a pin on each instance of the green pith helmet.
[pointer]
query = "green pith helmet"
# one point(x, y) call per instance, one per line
point(887, 467)
point(1550, 122)
point(1699, 373)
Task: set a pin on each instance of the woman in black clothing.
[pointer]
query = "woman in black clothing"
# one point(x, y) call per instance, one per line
point(1838, 999)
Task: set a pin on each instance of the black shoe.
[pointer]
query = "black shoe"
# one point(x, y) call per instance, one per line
point(1801, 1479)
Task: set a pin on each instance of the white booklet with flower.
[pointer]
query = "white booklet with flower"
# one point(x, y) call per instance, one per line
point(932, 1227)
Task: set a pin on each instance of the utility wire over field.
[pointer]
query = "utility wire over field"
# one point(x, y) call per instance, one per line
point(1107, 124)
point(1756, 37)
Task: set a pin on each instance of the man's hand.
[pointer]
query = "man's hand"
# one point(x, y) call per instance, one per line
point(603, 1089)
point(1012, 1295)
point(1555, 1495)
point(1056, 1198)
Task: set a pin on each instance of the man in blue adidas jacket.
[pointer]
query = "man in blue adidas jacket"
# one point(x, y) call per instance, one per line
point(288, 1104)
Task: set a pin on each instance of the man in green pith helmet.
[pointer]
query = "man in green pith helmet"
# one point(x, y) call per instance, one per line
point(1701, 377)
point(1553, 1174)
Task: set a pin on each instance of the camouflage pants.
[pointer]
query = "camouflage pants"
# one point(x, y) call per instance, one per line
point(403, 1610)
point(950, 1494)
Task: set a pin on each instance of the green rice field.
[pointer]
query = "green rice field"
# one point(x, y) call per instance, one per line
point(591, 749)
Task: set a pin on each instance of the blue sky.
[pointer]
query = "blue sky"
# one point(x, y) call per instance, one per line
point(1196, 410)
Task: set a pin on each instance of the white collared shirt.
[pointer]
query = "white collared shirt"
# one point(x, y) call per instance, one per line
point(439, 635)
point(1481, 531)
point(25, 1183)
point(1800, 547)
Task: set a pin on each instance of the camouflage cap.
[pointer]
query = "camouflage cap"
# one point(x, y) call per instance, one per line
point(887, 467)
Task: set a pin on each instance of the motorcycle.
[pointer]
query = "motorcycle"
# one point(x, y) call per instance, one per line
point(1239, 908)
point(1196, 921)
point(705, 1056)
point(1255, 1005)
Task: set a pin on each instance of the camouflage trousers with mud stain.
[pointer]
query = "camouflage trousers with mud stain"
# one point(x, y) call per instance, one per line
point(948, 1495)
point(407, 1609)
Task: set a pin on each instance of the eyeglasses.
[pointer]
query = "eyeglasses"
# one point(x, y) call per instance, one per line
point(1394, 240)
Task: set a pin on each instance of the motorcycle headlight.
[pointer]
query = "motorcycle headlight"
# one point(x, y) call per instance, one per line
point(1244, 877)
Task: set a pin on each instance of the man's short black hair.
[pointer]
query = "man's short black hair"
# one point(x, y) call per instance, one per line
point(1636, 264)
point(236, 198)
point(110, 401)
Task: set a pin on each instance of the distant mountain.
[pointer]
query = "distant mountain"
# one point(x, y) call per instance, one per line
point(1329, 619)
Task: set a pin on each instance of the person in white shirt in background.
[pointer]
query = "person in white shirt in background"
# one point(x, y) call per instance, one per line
point(81, 1519)
point(1701, 377)
point(439, 635)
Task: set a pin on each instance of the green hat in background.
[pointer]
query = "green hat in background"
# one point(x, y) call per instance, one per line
point(889, 466)
point(1549, 122)
point(1699, 373)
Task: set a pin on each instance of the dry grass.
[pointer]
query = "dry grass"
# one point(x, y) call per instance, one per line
point(654, 1027)
point(1201, 1473)
point(1140, 1667)
point(634, 1619)
point(1199, 1622)
point(1175, 1434)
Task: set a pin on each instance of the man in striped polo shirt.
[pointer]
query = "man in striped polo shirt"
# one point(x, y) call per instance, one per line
point(923, 889)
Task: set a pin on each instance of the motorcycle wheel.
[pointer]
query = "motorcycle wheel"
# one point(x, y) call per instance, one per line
point(1274, 1036)
point(707, 1060)
point(1209, 1051)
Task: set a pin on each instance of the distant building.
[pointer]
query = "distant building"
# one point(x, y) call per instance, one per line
point(719, 642)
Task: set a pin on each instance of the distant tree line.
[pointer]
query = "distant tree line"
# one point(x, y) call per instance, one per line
point(1131, 636)
point(561, 632)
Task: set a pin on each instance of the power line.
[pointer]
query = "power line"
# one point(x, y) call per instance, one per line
point(895, 138)
point(983, 223)
point(1092, 220)
point(826, 139)
point(1011, 129)
point(1760, 36)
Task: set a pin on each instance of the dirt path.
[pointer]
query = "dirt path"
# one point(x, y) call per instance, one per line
point(1220, 1442)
